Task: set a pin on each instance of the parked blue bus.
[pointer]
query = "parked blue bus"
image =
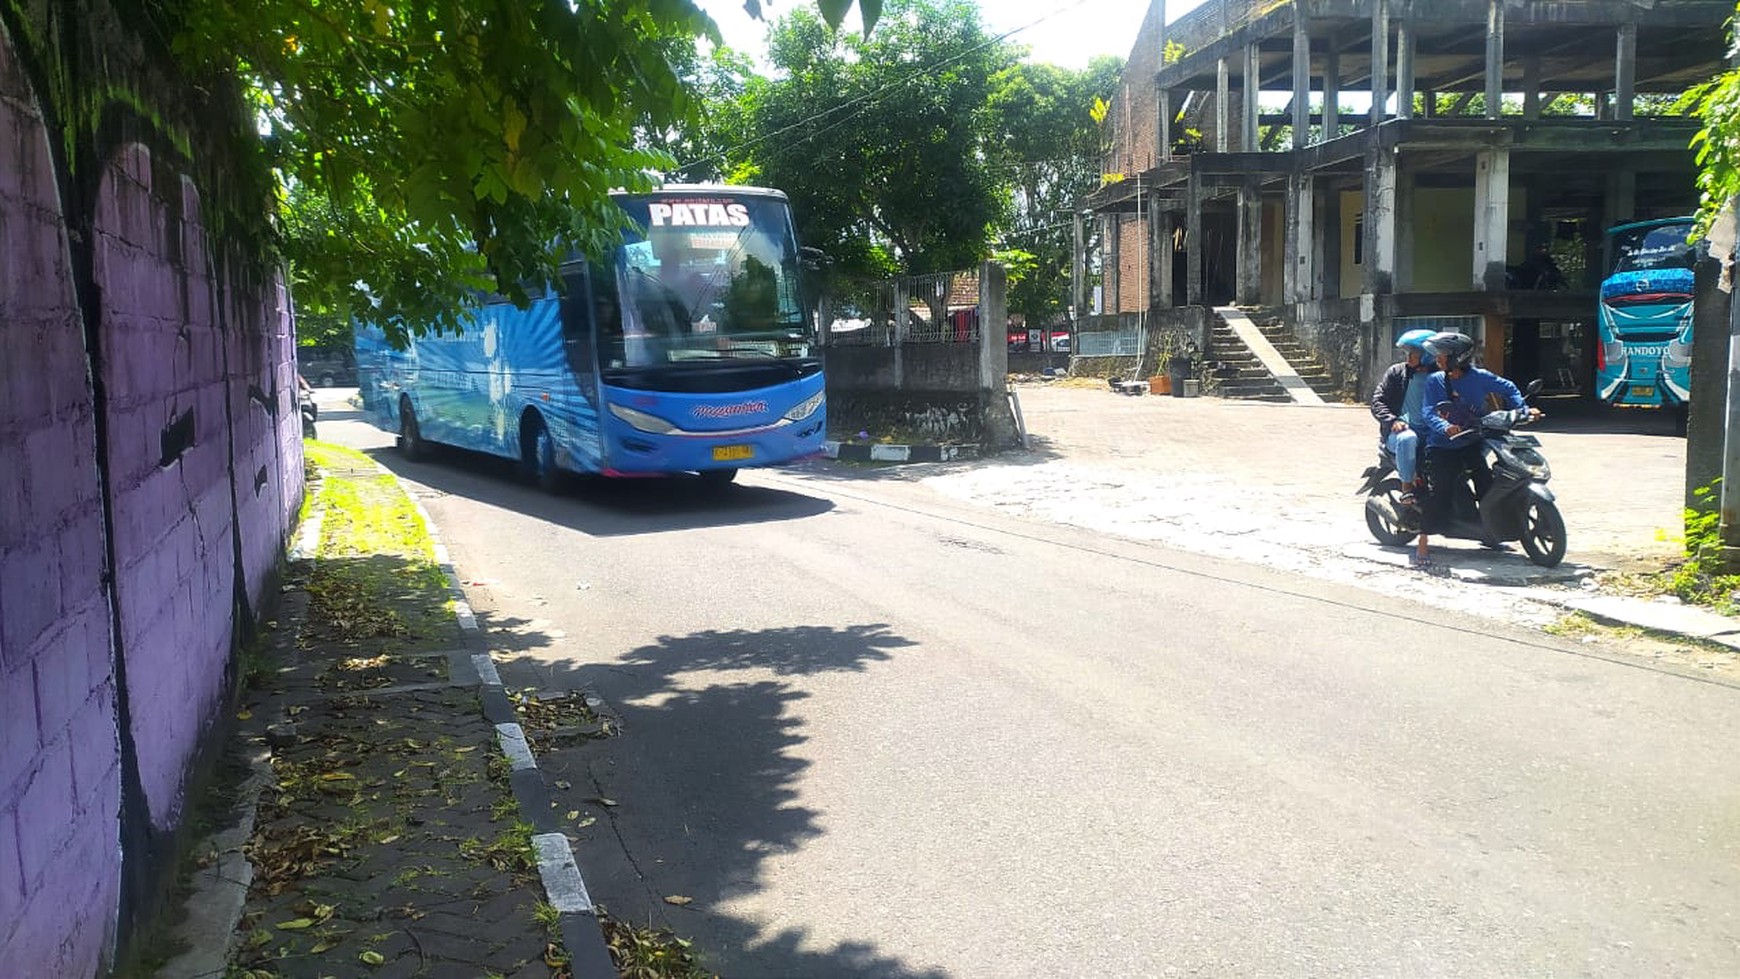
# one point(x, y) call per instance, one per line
point(1643, 347)
point(688, 350)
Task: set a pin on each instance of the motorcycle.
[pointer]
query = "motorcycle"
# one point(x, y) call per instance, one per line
point(1517, 506)
point(310, 411)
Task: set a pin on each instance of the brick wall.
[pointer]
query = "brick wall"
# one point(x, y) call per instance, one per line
point(59, 782)
point(109, 689)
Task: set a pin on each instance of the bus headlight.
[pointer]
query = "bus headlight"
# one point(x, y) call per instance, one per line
point(642, 421)
point(807, 408)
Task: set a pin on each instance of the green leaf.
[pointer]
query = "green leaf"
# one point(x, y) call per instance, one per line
point(834, 11)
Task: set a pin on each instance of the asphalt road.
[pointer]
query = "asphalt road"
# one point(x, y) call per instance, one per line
point(868, 735)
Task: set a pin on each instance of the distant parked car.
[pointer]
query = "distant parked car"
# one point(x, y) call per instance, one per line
point(327, 368)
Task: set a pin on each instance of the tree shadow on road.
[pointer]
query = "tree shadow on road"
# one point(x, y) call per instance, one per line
point(603, 507)
point(703, 781)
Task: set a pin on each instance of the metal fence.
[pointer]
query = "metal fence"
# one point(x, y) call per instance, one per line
point(937, 308)
point(1125, 342)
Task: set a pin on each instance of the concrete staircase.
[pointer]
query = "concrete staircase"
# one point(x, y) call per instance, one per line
point(1239, 373)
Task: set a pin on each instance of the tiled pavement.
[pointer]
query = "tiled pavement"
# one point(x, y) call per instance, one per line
point(393, 823)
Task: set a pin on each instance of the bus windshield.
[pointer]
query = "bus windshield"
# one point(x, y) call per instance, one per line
point(709, 276)
point(1648, 249)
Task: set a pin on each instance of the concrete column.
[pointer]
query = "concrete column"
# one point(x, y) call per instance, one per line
point(1193, 241)
point(902, 310)
point(1491, 218)
point(1728, 529)
point(1494, 58)
point(1111, 269)
point(1163, 122)
point(1380, 59)
point(1331, 94)
point(1249, 275)
point(1328, 234)
point(1162, 97)
point(1531, 86)
point(1301, 80)
point(1222, 93)
point(1620, 203)
point(1163, 287)
point(1379, 276)
point(1299, 278)
point(993, 334)
point(1405, 69)
point(1157, 249)
point(1404, 229)
point(1253, 86)
point(1625, 73)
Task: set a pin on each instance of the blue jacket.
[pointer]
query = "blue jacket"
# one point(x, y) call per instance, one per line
point(1473, 394)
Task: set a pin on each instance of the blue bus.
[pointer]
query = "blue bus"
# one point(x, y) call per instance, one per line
point(690, 349)
point(1643, 347)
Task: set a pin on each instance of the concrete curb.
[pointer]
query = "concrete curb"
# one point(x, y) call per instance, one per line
point(1680, 620)
point(564, 887)
point(877, 452)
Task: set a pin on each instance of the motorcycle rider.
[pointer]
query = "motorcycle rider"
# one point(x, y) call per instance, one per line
point(1396, 406)
point(1454, 399)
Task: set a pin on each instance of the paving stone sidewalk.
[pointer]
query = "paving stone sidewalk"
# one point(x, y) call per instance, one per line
point(380, 832)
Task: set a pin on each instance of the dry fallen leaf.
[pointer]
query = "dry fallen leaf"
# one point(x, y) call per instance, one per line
point(678, 899)
point(371, 957)
point(296, 924)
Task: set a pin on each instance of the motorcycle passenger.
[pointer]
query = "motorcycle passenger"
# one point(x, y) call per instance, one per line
point(1396, 406)
point(1454, 400)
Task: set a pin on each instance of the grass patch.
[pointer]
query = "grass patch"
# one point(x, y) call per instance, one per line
point(510, 851)
point(650, 953)
point(375, 578)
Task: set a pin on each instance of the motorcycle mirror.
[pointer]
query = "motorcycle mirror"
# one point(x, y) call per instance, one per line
point(1533, 389)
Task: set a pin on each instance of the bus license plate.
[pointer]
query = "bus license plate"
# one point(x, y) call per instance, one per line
point(1637, 391)
point(732, 453)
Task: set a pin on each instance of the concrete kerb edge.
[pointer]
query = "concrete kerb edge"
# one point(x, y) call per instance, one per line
point(558, 871)
point(1573, 602)
point(862, 452)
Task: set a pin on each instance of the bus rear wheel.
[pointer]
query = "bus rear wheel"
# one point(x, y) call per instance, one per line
point(538, 455)
point(410, 435)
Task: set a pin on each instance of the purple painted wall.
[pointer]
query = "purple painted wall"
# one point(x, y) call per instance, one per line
point(59, 783)
point(183, 398)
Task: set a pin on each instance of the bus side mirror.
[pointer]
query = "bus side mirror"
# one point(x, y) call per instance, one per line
point(812, 259)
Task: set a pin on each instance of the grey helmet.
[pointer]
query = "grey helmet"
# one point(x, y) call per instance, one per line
point(1458, 347)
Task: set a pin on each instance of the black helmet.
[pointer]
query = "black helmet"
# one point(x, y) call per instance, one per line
point(1458, 347)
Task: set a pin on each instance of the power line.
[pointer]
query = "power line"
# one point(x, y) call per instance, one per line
point(876, 95)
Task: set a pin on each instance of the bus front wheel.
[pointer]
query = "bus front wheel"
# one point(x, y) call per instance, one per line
point(717, 478)
point(538, 455)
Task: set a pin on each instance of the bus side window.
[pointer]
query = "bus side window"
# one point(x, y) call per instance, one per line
point(577, 330)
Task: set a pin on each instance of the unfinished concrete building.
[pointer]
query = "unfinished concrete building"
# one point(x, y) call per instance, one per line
point(1356, 168)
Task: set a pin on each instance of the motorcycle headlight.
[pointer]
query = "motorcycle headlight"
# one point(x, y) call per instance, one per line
point(1531, 461)
point(807, 408)
point(642, 421)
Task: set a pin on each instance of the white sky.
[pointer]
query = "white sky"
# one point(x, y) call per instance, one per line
point(1068, 32)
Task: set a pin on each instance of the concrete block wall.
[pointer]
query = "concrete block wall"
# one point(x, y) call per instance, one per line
point(147, 424)
point(59, 750)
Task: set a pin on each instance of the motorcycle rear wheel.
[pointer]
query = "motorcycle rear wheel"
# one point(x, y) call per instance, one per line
point(1543, 533)
point(1381, 506)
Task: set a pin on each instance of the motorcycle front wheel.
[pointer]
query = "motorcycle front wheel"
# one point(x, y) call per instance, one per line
point(1381, 509)
point(1543, 534)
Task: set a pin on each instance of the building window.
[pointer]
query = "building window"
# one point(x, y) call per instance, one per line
point(1359, 238)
